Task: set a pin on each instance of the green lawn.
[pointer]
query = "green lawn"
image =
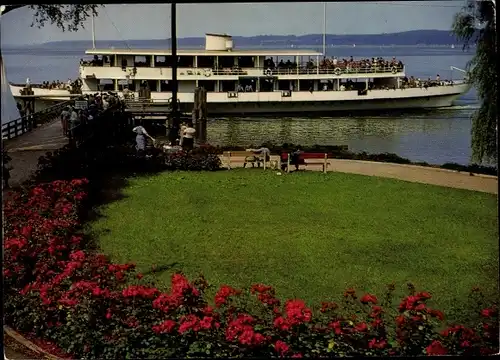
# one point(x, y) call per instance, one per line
point(309, 234)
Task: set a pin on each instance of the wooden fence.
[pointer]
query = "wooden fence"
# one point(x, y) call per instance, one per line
point(27, 123)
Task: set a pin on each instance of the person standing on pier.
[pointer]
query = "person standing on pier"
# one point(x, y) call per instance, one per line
point(181, 133)
point(140, 139)
point(65, 115)
point(188, 136)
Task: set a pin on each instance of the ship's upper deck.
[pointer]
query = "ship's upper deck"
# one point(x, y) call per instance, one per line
point(215, 45)
point(203, 52)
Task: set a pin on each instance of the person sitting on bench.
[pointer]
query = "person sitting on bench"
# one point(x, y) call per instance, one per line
point(262, 153)
point(294, 157)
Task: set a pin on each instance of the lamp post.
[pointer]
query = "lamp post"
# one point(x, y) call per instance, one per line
point(174, 128)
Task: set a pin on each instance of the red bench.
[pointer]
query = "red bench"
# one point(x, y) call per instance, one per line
point(305, 159)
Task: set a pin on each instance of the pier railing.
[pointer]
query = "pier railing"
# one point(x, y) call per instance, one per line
point(27, 123)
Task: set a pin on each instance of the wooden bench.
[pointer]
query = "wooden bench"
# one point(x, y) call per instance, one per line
point(305, 159)
point(250, 158)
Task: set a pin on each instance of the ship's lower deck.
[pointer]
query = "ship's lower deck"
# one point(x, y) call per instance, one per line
point(303, 101)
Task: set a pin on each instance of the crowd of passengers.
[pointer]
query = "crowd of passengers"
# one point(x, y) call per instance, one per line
point(96, 103)
point(373, 63)
point(334, 62)
point(96, 61)
point(73, 86)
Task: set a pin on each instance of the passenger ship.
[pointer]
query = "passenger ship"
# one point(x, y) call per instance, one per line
point(258, 81)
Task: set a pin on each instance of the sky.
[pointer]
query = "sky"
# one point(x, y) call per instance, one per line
point(152, 21)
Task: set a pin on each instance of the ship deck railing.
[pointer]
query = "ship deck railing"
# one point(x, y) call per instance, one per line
point(340, 69)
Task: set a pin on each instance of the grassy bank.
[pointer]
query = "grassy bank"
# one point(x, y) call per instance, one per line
point(308, 234)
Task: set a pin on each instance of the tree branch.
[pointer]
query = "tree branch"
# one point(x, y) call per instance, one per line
point(9, 8)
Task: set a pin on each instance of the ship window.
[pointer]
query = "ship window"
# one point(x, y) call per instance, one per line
point(160, 60)
point(226, 62)
point(209, 85)
point(186, 61)
point(141, 61)
point(227, 85)
point(266, 84)
point(246, 62)
point(153, 85)
point(306, 85)
point(165, 86)
point(285, 85)
point(206, 62)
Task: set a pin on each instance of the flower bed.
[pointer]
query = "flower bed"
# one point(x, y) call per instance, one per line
point(59, 291)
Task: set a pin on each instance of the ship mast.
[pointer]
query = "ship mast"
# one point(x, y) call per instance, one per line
point(324, 29)
point(93, 32)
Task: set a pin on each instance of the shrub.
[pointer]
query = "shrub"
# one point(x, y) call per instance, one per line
point(91, 308)
point(202, 159)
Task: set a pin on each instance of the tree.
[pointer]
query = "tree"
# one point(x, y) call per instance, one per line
point(65, 17)
point(476, 24)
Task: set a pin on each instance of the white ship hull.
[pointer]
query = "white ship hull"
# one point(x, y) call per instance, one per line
point(303, 101)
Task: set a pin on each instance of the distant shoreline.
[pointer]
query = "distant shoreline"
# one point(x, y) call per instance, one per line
point(277, 46)
point(423, 38)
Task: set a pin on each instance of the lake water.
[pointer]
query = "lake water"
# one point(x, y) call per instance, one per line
point(435, 137)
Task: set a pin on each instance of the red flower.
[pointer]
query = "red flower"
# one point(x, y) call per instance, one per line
point(400, 320)
point(189, 322)
point(77, 256)
point(297, 312)
point(465, 344)
point(268, 299)
point(260, 288)
point(361, 327)
point(369, 298)
point(246, 336)
point(139, 276)
point(336, 326)
point(437, 314)
point(297, 355)
point(376, 323)
point(488, 313)
point(377, 344)
point(281, 347)
point(420, 307)
point(281, 323)
point(436, 348)
point(165, 327)
point(139, 290)
point(258, 339)
point(206, 322)
point(423, 295)
point(208, 310)
point(408, 303)
point(223, 294)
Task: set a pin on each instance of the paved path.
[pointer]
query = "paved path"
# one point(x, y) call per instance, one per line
point(27, 148)
point(412, 173)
